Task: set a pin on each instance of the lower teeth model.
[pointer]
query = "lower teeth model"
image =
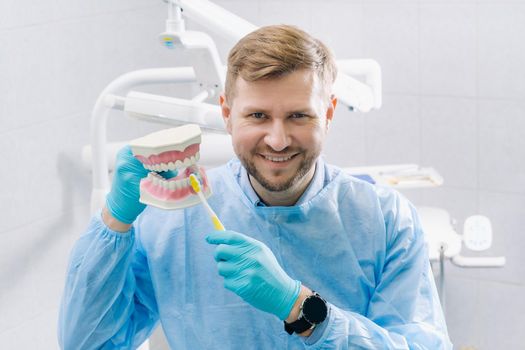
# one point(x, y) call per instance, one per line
point(171, 149)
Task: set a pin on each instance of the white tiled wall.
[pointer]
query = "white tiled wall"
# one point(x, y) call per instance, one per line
point(447, 49)
point(449, 138)
point(345, 38)
point(502, 141)
point(347, 132)
point(390, 36)
point(501, 52)
point(398, 128)
point(462, 298)
point(454, 98)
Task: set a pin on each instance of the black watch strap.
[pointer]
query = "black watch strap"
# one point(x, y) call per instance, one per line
point(298, 326)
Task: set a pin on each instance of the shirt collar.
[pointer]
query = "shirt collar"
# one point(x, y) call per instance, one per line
point(313, 188)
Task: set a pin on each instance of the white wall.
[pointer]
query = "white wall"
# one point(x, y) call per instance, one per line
point(454, 98)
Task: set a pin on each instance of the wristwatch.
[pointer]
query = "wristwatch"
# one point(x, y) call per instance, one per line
point(313, 311)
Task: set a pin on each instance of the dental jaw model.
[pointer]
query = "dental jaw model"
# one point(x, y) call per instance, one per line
point(175, 149)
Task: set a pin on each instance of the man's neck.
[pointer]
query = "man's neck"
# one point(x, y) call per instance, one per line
point(283, 198)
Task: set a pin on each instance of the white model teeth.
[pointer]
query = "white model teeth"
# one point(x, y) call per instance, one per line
point(173, 166)
point(158, 180)
point(278, 159)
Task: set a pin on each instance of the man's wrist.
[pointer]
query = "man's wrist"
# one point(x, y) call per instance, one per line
point(113, 223)
point(296, 309)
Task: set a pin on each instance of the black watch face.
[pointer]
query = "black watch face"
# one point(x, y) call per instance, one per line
point(314, 309)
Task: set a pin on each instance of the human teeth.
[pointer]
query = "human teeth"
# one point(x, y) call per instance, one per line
point(171, 185)
point(278, 159)
point(171, 166)
point(197, 156)
point(178, 164)
point(187, 162)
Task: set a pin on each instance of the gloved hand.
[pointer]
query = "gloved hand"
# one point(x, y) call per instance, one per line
point(251, 271)
point(123, 199)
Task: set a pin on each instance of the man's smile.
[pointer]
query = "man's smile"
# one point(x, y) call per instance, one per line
point(277, 161)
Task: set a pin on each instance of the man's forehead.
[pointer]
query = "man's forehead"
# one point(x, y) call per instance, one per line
point(251, 101)
point(296, 86)
point(294, 92)
point(305, 76)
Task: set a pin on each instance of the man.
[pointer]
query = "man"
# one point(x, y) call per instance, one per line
point(296, 225)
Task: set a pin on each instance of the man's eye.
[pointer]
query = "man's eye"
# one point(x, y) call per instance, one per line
point(257, 115)
point(298, 115)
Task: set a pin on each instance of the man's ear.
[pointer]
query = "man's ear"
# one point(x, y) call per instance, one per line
point(225, 110)
point(330, 111)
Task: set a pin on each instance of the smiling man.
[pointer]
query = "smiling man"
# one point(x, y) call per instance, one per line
point(296, 224)
point(278, 127)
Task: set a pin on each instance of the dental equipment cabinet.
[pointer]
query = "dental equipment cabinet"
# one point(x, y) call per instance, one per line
point(208, 73)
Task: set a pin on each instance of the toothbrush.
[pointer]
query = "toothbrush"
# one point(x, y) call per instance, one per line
point(195, 184)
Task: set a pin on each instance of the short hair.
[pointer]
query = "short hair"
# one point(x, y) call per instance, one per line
point(275, 51)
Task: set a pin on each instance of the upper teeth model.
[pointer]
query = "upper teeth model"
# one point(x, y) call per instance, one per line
point(170, 149)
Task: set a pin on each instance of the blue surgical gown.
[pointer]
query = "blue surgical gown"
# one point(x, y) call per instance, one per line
point(360, 246)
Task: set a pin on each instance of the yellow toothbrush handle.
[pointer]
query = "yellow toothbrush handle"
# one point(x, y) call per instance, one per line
point(217, 223)
point(196, 185)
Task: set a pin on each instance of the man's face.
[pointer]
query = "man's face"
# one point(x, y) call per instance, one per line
point(278, 127)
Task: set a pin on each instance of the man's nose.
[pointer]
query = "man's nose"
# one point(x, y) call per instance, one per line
point(277, 136)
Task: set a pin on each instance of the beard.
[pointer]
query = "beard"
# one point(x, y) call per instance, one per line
point(272, 186)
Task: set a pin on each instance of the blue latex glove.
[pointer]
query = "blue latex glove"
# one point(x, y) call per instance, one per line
point(251, 271)
point(123, 199)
